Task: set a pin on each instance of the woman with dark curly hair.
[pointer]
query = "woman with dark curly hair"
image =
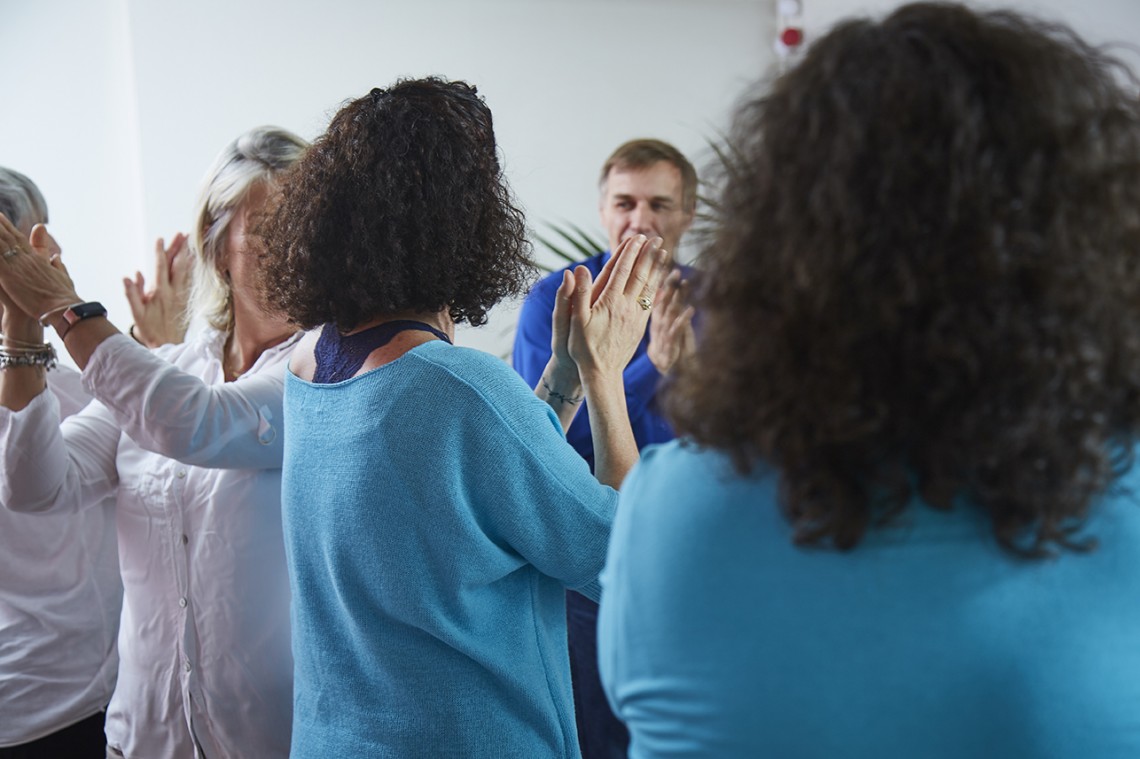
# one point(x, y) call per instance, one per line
point(434, 513)
point(903, 522)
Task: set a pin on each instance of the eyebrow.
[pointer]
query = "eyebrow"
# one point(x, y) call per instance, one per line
point(654, 199)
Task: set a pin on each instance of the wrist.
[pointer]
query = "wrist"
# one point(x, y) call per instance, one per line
point(562, 373)
point(21, 327)
point(65, 318)
point(595, 379)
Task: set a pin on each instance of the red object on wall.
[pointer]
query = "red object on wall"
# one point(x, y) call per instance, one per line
point(792, 36)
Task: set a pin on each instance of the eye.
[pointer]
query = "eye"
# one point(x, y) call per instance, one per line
point(624, 205)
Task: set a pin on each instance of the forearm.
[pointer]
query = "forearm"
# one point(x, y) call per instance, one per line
point(54, 468)
point(615, 450)
point(561, 389)
point(176, 414)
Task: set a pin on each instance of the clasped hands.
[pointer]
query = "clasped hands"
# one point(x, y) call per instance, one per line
point(33, 279)
point(598, 323)
point(34, 282)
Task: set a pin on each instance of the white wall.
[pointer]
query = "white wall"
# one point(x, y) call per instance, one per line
point(135, 97)
point(69, 123)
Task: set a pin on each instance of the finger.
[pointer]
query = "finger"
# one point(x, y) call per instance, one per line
point(181, 268)
point(177, 248)
point(624, 260)
point(668, 294)
point(562, 307)
point(580, 299)
point(161, 264)
point(177, 244)
point(10, 237)
point(57, 262)
point(603, 276)
point(644, 276)
point(134, 297)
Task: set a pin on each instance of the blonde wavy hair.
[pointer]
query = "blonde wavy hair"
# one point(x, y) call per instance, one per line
point(255, 157)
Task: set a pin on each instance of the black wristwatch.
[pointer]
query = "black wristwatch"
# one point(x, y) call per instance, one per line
point(80, 311)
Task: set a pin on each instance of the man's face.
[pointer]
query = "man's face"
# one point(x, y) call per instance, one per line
point(644, 201)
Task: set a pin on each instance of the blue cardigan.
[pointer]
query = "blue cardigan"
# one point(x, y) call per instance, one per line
point(434, 516)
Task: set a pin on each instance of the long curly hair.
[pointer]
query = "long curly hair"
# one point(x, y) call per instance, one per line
point(926, 279)
point(401, 206)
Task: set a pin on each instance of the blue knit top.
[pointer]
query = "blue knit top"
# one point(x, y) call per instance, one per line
point(433, 516)
point(720, 638)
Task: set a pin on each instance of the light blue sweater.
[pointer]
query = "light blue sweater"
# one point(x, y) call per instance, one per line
point(434, 515)
point(718, 638)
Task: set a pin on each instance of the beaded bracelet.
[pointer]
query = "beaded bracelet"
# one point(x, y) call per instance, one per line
point(42, 356)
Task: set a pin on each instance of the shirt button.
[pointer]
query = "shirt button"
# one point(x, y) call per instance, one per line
point(182, 603)
point(181, 473)
point(188, 667)
point(185, 540)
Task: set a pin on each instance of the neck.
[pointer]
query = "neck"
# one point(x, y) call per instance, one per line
point(441, 320)
point(254, 333)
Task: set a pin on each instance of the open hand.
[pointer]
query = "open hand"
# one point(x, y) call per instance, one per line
point(159, 313)
point(608, 317)
point(671, 336)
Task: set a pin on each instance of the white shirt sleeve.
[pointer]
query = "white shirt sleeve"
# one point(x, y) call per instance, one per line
point(235, 425)
point(49, 466)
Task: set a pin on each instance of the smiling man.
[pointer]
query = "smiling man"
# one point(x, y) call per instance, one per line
point(647, 187)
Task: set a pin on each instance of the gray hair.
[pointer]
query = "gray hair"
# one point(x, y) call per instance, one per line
point(20, 199)
point(255, 157)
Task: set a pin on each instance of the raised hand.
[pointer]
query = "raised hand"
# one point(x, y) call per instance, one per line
point(33, 284)
point(608, 318)
point(671, 336)
point(159, 313)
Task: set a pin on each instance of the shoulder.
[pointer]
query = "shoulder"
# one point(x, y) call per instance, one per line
point(480, 372)
point(679, 487)
point(487, 387)
point(302, 362)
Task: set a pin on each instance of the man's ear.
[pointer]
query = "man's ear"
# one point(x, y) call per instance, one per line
point(690, 217)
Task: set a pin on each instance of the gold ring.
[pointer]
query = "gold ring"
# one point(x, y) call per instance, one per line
point(645, 303)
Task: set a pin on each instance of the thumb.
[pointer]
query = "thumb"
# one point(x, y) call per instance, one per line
point(562, 304)
point(43, 243)
point(580, 298)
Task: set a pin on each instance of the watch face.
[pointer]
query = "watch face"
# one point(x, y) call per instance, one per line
point(81, 311)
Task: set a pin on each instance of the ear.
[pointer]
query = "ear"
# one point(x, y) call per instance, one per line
point(689, 218)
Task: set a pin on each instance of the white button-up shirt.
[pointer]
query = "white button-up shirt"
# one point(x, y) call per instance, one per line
point(205, 663)
point(59, 603)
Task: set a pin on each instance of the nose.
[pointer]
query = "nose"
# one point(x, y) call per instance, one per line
point(641, 219)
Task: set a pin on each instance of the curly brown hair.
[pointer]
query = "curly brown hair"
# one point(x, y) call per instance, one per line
point(925, 280)
point(401, 206)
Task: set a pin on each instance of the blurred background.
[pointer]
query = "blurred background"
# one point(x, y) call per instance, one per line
point(116, 108)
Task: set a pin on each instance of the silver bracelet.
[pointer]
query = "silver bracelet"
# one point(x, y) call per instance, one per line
point(44, 357)
point(559, 396)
